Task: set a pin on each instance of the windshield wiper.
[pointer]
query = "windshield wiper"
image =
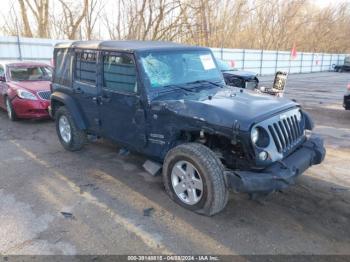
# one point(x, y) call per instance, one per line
point(178, 87)
point(205, 81)
point(229, 70)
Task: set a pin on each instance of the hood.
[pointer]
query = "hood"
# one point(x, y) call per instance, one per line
point(33, 86)
point(242, 74)
point(228, 105)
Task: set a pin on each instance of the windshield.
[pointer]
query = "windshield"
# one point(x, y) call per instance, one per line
point(30, 73)
point(166, 69)
point(224, 66)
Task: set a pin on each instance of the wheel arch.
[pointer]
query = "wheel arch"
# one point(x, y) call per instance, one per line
point(59, 99)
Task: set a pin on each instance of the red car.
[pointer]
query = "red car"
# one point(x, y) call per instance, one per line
point(25, 89)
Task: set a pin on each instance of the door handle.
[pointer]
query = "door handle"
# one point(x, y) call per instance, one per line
point(105, 98)
point(78, 90)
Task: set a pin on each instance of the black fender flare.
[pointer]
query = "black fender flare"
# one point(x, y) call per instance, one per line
point(309, 123)
point(73, 108)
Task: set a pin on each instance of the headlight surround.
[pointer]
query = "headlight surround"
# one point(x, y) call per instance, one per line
point(260, 137)
point(254, 135)
point(299, 116)
point(26, 95)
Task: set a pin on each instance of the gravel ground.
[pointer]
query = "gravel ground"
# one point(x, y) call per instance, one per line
point(112, 206)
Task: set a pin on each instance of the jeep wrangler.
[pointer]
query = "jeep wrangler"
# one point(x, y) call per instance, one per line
point(170, 103)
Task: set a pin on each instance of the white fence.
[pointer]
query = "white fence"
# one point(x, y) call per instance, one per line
point(261, 61)
point(21, 48)
point(267, 62)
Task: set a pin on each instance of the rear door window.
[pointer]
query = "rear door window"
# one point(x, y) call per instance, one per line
point(86, 67)
point(119, 73)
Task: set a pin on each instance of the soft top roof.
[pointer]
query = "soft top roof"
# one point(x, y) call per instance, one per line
point(126, 45)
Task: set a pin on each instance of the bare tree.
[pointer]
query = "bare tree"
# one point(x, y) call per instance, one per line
point(40, 10)
point(27, 31)
point(95, 8)
point(72, 18)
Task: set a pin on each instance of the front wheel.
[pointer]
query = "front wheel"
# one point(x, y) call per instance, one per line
point(71, 138)
point(193, 178)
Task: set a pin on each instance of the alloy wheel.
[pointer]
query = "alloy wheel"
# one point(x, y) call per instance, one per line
point(65, 129)
point(187, 182)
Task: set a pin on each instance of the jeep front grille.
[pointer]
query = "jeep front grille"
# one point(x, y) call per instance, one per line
point(286, 132)
point(45, 95)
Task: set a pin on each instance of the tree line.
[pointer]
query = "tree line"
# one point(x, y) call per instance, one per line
point(257, 24)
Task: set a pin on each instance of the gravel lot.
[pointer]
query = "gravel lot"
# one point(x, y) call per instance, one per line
point(117, 208)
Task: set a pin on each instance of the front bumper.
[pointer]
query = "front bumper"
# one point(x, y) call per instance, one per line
point(280, 174)
point(346, 102)
point(30, 108)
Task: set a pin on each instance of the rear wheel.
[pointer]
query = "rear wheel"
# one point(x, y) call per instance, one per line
point(71, 138)
point(193, 178)
point(10, 111)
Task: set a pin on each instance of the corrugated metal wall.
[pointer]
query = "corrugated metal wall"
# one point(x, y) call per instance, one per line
point(13, 48)
point(267, 62)
point(261, 61)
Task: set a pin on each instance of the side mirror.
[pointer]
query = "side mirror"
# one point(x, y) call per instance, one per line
point(2, 78)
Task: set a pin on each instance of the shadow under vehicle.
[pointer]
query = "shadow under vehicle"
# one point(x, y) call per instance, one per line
point(170, 103)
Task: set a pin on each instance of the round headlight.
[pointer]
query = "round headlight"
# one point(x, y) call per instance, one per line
point(254, 135)
point(260, 137)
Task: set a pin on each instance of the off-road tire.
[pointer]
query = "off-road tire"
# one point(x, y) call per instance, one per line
point(12, 115)
point(215, 192)
point(78, 137)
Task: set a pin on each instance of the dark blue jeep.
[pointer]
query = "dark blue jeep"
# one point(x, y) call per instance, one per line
point(170, 102)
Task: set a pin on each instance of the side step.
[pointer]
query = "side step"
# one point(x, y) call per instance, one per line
point(152, 168)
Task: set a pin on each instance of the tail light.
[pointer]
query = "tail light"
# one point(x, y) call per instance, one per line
point(348, 86)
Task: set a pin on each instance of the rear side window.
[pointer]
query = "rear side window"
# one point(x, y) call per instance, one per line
point(119, 73)
point(63, 66)
point(86, 67)
point(2, 72)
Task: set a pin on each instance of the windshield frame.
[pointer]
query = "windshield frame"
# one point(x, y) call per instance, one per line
point(153, 92)
point(41, 66)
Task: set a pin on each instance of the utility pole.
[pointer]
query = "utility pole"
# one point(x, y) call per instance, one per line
point(18, 42)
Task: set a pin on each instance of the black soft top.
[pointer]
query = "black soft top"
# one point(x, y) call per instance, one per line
point(127, 45)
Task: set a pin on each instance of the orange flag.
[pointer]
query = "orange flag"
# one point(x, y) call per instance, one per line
point(293, 52)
